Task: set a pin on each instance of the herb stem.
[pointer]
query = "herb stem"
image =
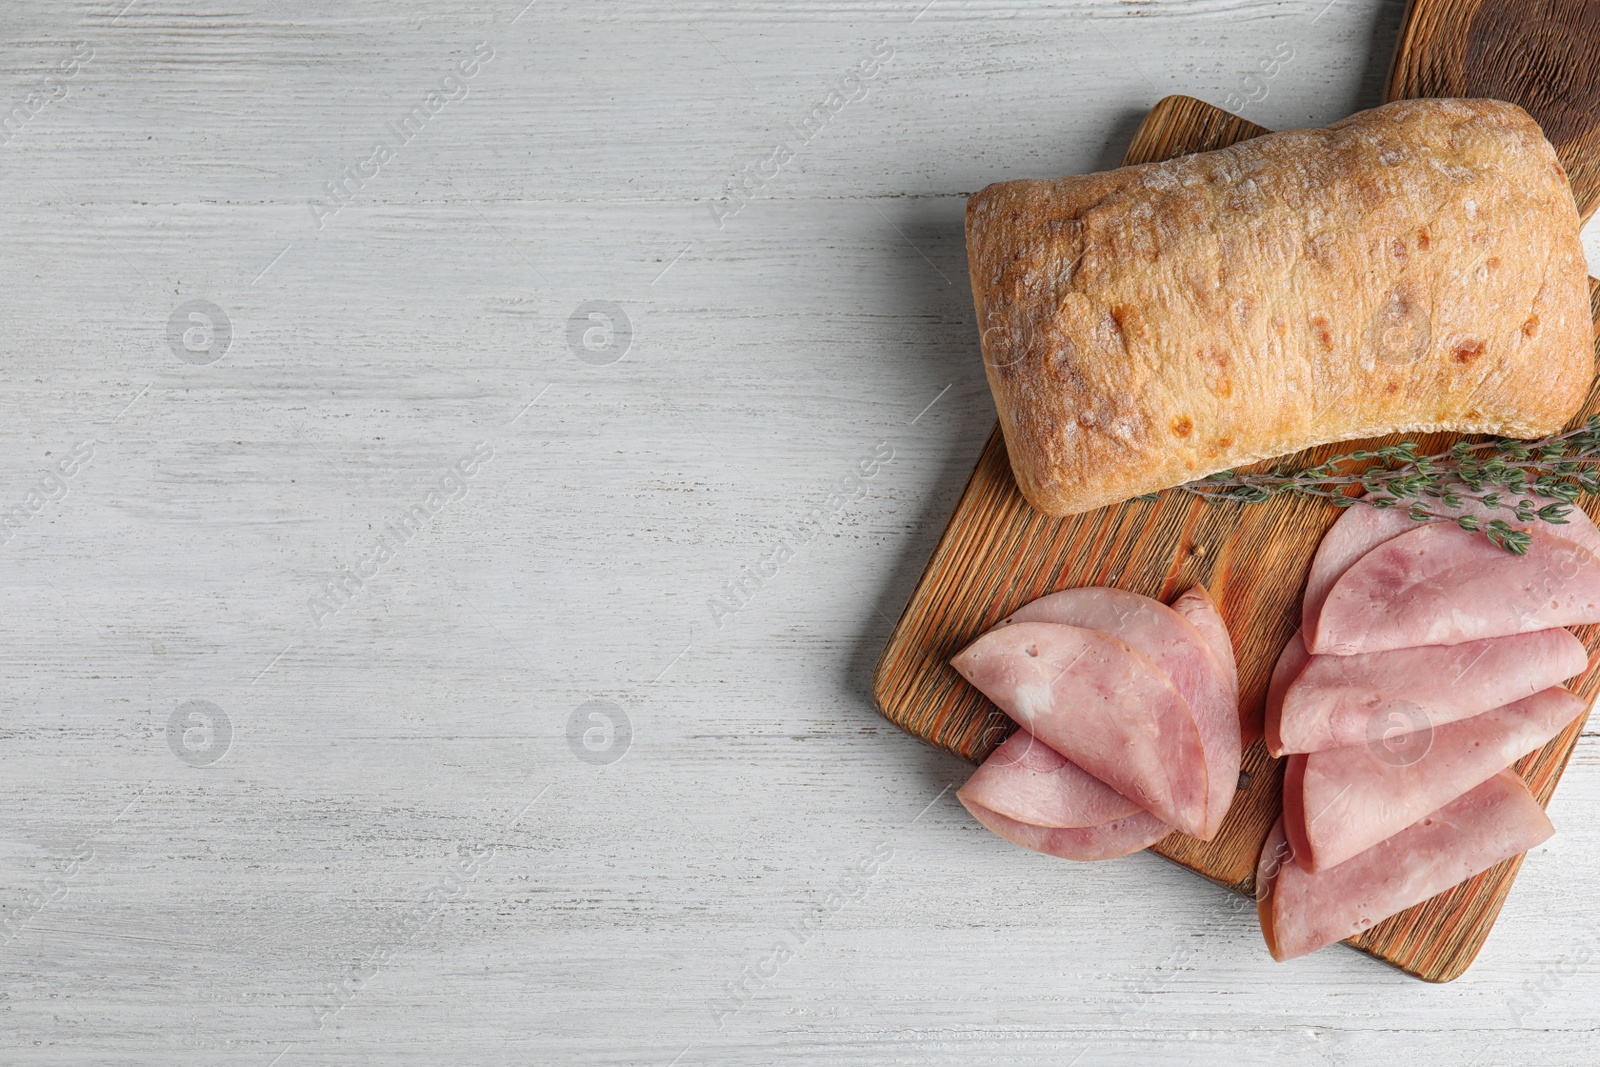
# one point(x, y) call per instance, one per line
point(1496, 474)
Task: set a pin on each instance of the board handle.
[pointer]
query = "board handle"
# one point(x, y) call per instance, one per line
point(1543, 55)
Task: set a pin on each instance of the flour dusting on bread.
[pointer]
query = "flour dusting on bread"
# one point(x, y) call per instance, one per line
point(1414, 267)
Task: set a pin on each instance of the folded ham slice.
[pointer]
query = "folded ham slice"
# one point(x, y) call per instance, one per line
point(1121, 837)
point(1102, 705)
point(1293, 819)
point(1180, 649)
point(1348, 700)
point(1338, 804)
point(1035, 797)
point(1026, 780)
point(1291, 661)
point(1197, 606)
point(1442, 585)
point(1302, 912)
point(1362, 528)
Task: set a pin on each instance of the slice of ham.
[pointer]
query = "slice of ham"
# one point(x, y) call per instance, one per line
point(1026, 780)
point(1201, 611)
point(1102, 705)
point(1350, 700)
point(1361, 528)
point(1033, 796)
point(1293, 820)
point(1347, 800)
point(1121, 837)
point(1180, 649)
point(1301, 912)
point(1291, 661)
point(1442, 585)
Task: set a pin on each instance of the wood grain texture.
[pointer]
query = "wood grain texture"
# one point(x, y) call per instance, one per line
point(1541, 54)
point(231, 902)
point(997, 553)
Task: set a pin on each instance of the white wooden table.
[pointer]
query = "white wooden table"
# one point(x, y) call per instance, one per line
point(612, 316)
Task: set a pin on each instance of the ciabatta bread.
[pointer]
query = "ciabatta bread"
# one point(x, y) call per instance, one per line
point(1415, 267)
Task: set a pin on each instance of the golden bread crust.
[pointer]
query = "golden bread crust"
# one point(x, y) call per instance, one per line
point(1414, 267)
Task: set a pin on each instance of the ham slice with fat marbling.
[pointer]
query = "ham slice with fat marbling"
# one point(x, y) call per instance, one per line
point(1102, 705)
point(1442, 585)
point(1033, 796)
point(1182, 650)
point(1335, 701)
point(1301, 912)
point(1338, 804)
point(1361, 528)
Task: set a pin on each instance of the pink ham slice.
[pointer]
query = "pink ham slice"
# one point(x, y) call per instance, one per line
point(1197, 606)
point(1293, 820)
point(1302, 912)
point(1121, 837)
point(1347, 800)
point(1362, 528)
point(1026, 780)
point(1348, 700)
point(1102, 705)
point(1442, 585)
point(1291, 661)
point(1035, 797)
point(1180, 649)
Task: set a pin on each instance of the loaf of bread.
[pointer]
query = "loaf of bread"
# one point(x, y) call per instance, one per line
point(1414, 267)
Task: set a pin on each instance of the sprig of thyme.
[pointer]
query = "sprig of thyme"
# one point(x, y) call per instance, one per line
point(1499, 473)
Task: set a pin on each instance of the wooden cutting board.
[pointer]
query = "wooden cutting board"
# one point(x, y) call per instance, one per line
point(997, 554)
